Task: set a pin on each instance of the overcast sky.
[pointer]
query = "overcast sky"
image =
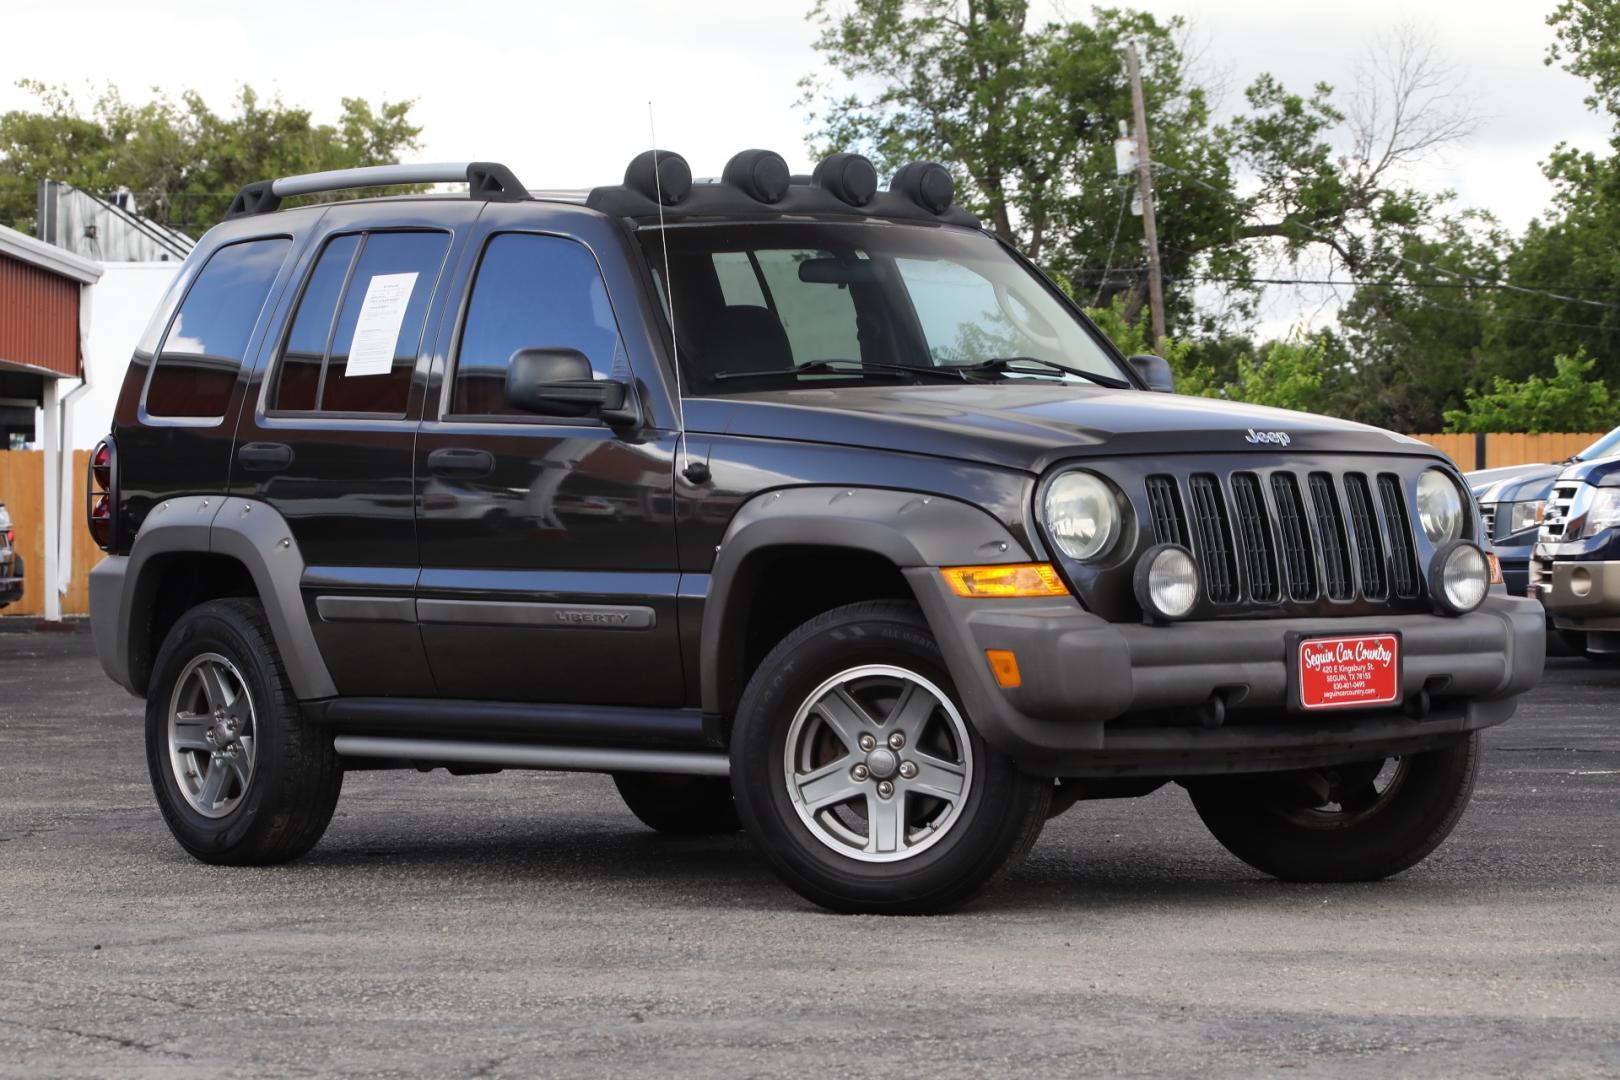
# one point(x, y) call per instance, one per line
point(559, 91)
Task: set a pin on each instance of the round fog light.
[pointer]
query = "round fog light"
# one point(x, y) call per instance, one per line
point(1167, 582)
point(1459, 577)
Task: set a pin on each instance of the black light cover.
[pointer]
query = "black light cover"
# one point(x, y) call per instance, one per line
point(672, 182)
point(762, 175)
point(926, 183)
point(849, 178)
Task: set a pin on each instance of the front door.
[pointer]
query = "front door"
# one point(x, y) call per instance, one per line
point(547, 545)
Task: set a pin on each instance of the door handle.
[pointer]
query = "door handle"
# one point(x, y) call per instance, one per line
point(462, 462)
point(265, 456)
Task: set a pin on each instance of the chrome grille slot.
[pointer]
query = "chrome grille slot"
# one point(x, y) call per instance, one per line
point(1299, 561)
point(1335, 545)
point(1164, 504)
point(1403, 564)
point(1255, 539)
point(1213, 536)
point(1369, 544)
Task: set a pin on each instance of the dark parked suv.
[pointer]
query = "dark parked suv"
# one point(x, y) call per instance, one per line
point(792, 503)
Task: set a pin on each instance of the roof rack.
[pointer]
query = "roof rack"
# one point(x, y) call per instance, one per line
point(484, 180)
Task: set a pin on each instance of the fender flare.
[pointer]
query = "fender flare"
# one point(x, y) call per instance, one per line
point(255, 535)
point(908, 528)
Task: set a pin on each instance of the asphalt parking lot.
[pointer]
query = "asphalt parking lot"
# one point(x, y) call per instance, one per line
point(525, 924)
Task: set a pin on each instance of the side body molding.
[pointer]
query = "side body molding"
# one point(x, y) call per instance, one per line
point(248, 531)
point(906, 528)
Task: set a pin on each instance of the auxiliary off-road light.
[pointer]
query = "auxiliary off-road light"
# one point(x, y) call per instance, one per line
point(1459, 577)
point(1166, 582)
point(1005, 581)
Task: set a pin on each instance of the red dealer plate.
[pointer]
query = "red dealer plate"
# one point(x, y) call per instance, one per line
point(1344, 672)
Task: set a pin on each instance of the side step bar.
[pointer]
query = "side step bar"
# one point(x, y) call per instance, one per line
point(518, 756)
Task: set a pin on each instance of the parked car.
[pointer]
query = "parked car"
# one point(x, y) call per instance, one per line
point(11, 563)
point(1513, 500)
point(1576, 568)
point(904, 557)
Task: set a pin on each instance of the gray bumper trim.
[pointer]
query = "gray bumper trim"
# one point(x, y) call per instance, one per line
point(107, 623)
point(1080, 671)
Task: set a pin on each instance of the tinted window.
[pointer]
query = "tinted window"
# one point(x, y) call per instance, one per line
point(819, 319)
point(379, 287)
point(531, 292)
point(202, 353)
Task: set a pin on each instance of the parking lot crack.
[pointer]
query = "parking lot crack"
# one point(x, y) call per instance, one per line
point(95, 1036)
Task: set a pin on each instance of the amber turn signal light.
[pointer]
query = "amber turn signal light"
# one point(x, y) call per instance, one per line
point(1006, 580)
point(1496, 567)
point(1004, 666)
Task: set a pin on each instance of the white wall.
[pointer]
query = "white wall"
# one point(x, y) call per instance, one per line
point(121, 303)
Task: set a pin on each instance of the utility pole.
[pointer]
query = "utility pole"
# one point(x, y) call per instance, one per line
point(1144, 183)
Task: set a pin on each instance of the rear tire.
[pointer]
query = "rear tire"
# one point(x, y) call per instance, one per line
point(679, 805)
point(240, 777)
point(1337, 824)
point(859, 778)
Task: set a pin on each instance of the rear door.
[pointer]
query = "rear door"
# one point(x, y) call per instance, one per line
point(547, 543)
point(329, 441)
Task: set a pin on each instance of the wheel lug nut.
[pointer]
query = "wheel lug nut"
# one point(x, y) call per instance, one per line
point(908, 769)
point(885, 789)
point(860, 772)
point(868, 743)
point(897, 740)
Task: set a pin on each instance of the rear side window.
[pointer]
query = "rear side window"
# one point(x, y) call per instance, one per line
point(202, 352)
point(355, 337)
point(531, 292)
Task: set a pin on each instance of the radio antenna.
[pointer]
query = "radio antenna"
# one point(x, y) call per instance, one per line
point(682, 452)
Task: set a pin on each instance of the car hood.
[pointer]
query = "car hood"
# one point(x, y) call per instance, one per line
point(1604, 471)
point(1031, 425)
point(1516, 483)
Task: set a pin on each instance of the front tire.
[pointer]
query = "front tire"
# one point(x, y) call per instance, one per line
point(241, 778)
point(1358, 822)
point(858, 776)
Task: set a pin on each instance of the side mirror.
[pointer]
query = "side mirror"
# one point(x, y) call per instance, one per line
point(559, 382)
point(1155, 371)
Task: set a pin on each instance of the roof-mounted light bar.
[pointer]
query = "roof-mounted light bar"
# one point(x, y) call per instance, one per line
point(484, 179)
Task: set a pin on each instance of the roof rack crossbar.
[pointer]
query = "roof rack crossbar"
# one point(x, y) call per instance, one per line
point(484, 180)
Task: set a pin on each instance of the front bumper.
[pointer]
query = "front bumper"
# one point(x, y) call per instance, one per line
point(1581, 593)
point(1102, 698)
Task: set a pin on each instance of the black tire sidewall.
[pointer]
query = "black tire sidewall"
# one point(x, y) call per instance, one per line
point(979, 841)
point(1397, 835)
point(218, 627)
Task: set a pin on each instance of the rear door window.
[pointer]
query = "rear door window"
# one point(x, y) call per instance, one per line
point(358, 329)
point(202, 351)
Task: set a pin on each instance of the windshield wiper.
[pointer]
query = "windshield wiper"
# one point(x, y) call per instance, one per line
point(1005, 364)
point(854, 368)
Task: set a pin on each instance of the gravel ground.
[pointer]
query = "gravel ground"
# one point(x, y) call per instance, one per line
point(525, 924)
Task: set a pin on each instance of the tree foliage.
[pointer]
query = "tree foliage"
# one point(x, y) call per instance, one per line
point(183, 160)
point(1569, 400)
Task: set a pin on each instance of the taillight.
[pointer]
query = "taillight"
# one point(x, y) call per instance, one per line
point(99, 494)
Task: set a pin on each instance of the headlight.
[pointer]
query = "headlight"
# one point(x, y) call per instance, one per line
point(1166, 582)
point(1605, 512)
point(1082, 515)
point(1459, 577)
point(1525, 515)
point(1440, 507)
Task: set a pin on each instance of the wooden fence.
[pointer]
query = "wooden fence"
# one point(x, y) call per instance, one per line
point(1498, 450)
point(22, 489)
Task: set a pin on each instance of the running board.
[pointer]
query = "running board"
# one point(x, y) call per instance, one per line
point(518, 756)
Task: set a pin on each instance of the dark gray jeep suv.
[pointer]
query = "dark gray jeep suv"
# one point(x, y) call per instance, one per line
point(797, 505)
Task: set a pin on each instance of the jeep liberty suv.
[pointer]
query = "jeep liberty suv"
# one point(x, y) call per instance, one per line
point(796, 505)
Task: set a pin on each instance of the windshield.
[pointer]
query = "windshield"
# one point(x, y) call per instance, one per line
point(1608, 446)
point(759, 306)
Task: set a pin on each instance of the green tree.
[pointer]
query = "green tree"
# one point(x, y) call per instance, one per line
point(1026, 116)
point(183, 160)
point(1570, 400)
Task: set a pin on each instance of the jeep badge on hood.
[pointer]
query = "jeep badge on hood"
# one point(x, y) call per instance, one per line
point(1260, 438)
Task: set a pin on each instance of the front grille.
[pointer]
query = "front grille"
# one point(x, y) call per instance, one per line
point(1291, 537)
point(1335, 545)
point(1487, 519)
point(1255, 538)
point(1369, 545)
point(1213, 539)
point(1555, 521)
